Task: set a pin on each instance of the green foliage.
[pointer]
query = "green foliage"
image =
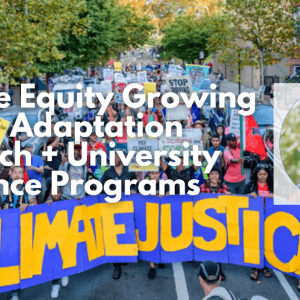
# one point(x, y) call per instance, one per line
point(111, 29)
point(31, 31)
point(185, 38)
point(254, 32)
point(289, 144)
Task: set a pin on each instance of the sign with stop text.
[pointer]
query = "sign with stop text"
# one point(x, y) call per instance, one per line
point(181, 84)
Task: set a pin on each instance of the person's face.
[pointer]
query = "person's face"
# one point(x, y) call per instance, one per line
point(52, 126)
point(214, 177)
point(118, 161)
point(216, 142)
point(127, 111)
point(154, 176)
point(77, 154)
point(56, 197)
point(220, 130)
point(17, 173)
point(93, 137)
point(198, 126)
point(73, 131)
point(29, 149)
point(262, 176)
point(232, 144)
point(97, 102)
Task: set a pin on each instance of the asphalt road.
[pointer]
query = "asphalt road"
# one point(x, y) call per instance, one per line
point(175, 281)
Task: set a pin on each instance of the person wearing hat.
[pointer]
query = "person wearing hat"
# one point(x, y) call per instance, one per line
point(122, 173)
point(233, 164)
point(201, 124)
point(209, 277)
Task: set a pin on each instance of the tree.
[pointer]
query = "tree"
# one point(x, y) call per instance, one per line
point(111, 29)
point(30, 30)
point(254, 32)
point(185, 37)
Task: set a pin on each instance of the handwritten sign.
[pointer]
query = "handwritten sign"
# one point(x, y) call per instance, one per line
point(108, 74)
point(142, 76)
point(235, 122)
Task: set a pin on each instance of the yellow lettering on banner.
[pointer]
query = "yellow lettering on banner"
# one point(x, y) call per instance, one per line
point(8, 275)
point(95, 250)
point(233, 204)
point(184, 240)
point(200, 216)
point(152, 223)
point(44, 234)
point(111, 230)
point(272, 223)
point(251, 237)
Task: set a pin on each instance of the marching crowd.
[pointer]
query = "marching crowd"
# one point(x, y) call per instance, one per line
point(226, 177)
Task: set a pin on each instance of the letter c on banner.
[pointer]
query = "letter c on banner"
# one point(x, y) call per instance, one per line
point(272, 223)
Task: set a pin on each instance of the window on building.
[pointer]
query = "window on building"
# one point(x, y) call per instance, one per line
point(296, 69)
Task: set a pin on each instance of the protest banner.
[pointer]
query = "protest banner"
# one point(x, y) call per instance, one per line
point(142, 76)
point(235, 122)
point(108, 74)
point(4, 124)
point(180, 84)
point(180, 112)
point(139, 144)
point(198, 75)
point(117, 66)
point(192, 136)
point(47, 242)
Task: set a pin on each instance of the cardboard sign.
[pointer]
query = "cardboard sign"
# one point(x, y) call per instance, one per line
point(142, 76)
point(108, 74)
point(172, 69)
point(180, 112)
point(119, 77)
point(117, 66)
point(139, 144)
point(192, 136)
point(235, 122)
point(104, 88)
point(131, 78)
point(181, 84)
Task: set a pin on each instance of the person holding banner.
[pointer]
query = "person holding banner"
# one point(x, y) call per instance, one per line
point(212, 185)
point(234, 178)
point(261, 184)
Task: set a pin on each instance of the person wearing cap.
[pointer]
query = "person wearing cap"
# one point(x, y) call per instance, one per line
point(201, 124)
point(122, 173)
point(233, 164)
point(36, 170)
point(209, 274)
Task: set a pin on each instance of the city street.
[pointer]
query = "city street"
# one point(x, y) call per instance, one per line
point(175, 281)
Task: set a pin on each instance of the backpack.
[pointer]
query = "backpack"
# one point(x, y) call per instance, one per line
point(222, 77)
point(215, 297)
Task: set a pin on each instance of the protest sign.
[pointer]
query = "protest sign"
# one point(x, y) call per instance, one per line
point(172, 69)
point(235, 122)
point(180, 84)
point(67, 237)
point(119, 98)
point(104, 87)
point(117, 66)
point(131, 78)
point(192, 136)
point(198, 75)
point(121, 86)
point(149, 87)
point(139, 144)
point(119, 77)
point(142, 76)
point(108, 74)
point(180, 112)
point(4, 124)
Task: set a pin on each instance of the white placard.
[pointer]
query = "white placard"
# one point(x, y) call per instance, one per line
point(192, 136)
point(142, 76)
point(108, 74)
point(180, 112)
point(180, 84)
point(235, 122)
point(172, 68)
